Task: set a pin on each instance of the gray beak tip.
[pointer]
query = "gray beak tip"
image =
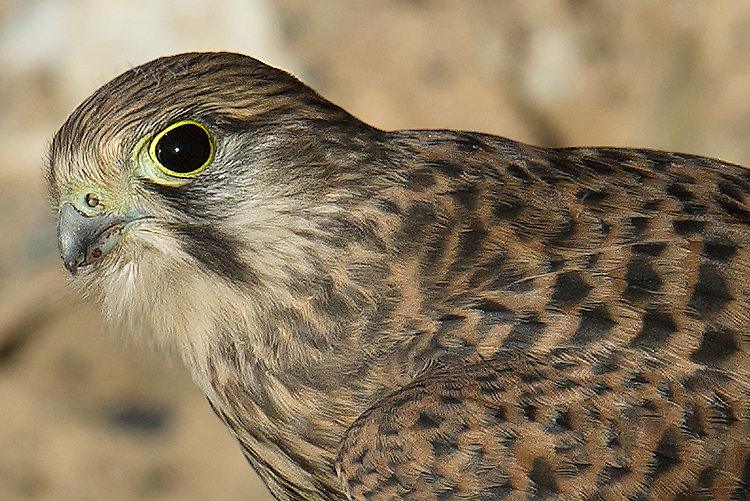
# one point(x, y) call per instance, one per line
point(82, 238)
point(71, 266)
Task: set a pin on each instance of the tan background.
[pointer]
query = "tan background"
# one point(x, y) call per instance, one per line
point(85, 415)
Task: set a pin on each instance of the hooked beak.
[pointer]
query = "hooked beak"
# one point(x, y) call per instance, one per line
point(83, 239)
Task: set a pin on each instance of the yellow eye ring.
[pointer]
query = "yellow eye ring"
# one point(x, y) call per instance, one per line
point(183, 149)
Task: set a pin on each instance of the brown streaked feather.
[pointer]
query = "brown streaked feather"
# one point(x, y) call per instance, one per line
point(606, 424)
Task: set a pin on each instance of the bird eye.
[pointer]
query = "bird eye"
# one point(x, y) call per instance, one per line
point(182, 149)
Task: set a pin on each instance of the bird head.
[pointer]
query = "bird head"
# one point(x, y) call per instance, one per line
point(190, 184)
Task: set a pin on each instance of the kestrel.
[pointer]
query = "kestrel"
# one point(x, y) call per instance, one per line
point(420, 314)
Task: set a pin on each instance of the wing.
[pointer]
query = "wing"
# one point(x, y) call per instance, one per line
point(612, 425)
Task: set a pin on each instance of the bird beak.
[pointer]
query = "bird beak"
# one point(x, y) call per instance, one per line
point(83, 239)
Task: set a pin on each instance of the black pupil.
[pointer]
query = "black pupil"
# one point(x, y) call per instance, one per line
point(184, 149)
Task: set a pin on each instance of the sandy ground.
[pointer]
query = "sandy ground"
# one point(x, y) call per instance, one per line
point(86, 415)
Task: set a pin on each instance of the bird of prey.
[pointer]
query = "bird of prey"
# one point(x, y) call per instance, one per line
point(417, 314)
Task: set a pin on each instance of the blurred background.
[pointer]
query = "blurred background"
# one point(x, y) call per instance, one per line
point(85, 415)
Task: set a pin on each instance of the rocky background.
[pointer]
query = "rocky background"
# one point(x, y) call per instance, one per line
point(85, 415)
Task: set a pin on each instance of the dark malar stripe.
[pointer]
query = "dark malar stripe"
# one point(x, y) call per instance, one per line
point(216, 251)
point(187, 199)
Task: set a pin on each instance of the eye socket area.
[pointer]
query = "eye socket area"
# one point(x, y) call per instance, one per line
point(183, 149)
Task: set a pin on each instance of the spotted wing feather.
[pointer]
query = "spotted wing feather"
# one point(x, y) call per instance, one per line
point(614, 425)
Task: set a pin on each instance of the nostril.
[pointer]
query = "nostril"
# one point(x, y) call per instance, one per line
point(91, 200)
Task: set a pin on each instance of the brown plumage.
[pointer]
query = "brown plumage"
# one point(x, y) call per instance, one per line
point(421, 315)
